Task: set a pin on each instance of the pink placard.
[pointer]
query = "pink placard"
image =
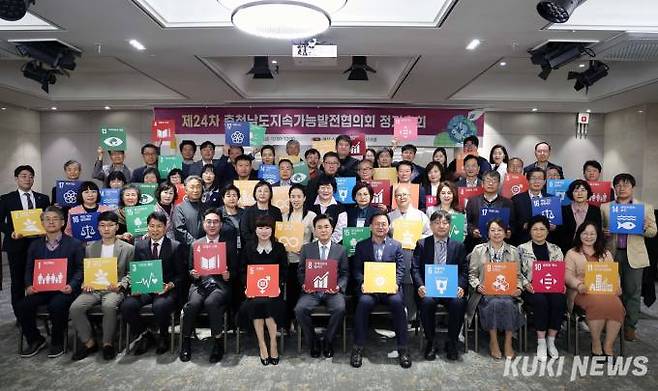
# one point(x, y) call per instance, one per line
point(548, 277)
point(405, 128)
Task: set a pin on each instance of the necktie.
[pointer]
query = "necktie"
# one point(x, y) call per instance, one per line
point(30, 205)
point(441, 255)
point(154, 253)
point(323, 253)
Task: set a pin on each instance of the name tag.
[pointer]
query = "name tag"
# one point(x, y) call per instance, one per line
point(360, 222)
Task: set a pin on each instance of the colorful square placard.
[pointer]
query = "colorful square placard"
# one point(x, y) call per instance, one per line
point(500, 278)
point(321, 276)
point(99, 273)
point(602, 278)
point(263, 281)
point(379, 277)
point(49, 274)
point(146, 276)
point(441, 281)
point(548, 276)
point(210, 258)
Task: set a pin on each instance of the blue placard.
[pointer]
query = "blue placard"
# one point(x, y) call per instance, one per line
point(558, 188)
point(237, 133)
point(344, 186)
point(66, 193)
point(488, 214)
point(110, 197)
point(85, 226)
point(441, 280)
point(269, 173)
point(627, 218)
point(549, 207)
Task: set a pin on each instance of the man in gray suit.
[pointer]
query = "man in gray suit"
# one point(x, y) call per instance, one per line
point(110, 298)
point(333, 298)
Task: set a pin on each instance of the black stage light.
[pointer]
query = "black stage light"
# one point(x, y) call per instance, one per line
point(51, 53)
point(13, 10)
point(554, 55)
point(261, 68)
point(597, 70)
point(359, 69)
point(557, 11)
point(35, 71)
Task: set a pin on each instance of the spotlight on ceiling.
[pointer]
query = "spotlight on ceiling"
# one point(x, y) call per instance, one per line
point(554, 55)
point(52, 53)
point(13, 10)
point(261, 68)
point(35, 71)
point(359, 69)
point(597, 70)
point(557, 11)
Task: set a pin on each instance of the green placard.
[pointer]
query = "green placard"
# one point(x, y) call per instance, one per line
point(352, 236)
point(147, 193)
point(168, 163)
point(146, 276)
point(458, 227)
point(113, 139)
point(136, 218)
point(257, 135)
point(300, 173)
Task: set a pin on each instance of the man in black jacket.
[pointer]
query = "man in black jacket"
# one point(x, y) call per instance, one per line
point(490, 199)
point(523, 204)
point(150, 155)
point(348, 164)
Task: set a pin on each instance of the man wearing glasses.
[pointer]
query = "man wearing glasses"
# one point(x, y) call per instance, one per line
point(330, 166)
point(523, 204)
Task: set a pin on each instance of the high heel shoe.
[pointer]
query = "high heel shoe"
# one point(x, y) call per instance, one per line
point(274, 360)
point(265, 361)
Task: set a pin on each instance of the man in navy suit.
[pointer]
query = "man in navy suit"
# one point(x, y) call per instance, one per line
point(379, 248)
point(150, 155)
point(438, 249)
point(14, 244)
point(523, 205)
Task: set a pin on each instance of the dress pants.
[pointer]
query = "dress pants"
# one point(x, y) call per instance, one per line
point(163, 307)
point(631, 288)
point(335, 304)
point(58, 307)
point(367, 302)
point(17, 260)
point(456, 308)
point(215, 304)
point(548, 309)
point(109, 305)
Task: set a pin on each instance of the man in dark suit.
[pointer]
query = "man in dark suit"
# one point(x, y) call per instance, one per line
point(172, 254)
point(523, 204)
point(150, 155)
point(330, 166)
point(490, 199)
point(409, 154)
point(348, 164)
point(207, 150)
point(438, 249)
point(14, 244)
point(543, 153)
point(333, 298)
point(379, 248)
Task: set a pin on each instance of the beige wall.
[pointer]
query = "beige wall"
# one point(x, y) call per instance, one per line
point(20, 143)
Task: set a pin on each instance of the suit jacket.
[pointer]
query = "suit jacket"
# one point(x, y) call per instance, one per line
point(124, 253)
point(564, 234)
point(348, 167)
point(522, 213)
point(424, 255)
point(173, 257)
point(475, 204)
point(69, 248)
point(138, 174)
point(461, 182)
point(12, 201)
point(232, 260)
point(364, 253)
point(549, 165)
point(638, 257)
point(336, 251)
point(353, 214)
point(196, 168)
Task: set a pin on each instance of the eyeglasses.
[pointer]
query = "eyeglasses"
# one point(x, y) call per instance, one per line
point(402, 195)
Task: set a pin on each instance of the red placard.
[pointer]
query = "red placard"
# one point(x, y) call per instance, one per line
point(180, 194)
point(405, 128)
point(600, 193)
point(548, 277)
point(358, 145)
point(163, 130)
point(321, 276)
point(381, 192)
point(263, 281)
point(514, 184)
point(210, 258)
point(49, 274)
point(467, 192)
point(430, 200)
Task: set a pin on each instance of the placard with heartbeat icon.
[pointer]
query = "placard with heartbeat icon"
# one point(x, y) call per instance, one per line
point(146, 276)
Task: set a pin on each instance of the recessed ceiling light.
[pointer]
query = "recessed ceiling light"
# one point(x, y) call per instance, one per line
point(3, 108)
point(640, 111)
point(136, 44)
point(107, 108)
point(588, 110)
point(534, 109)
point(581, 66)
point(53, 108)
point(275, 62)
point(473, 44)
point(503, 64)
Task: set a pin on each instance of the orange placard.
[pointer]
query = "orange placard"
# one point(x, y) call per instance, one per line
point(246, 192)
point(459, 162)
point(263, 281)
point(389, 174)
point(500, 278)
point(290, 234)
point(324, 146)
point(280, 198)
point(602, 278)
point(180, 194)
point(413, 188)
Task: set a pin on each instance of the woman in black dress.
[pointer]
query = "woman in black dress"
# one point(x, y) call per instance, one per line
point(263, 206)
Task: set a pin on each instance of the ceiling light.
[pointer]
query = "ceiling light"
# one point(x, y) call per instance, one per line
point(35, 71)
point(53, 108)
point(3, 108)
point(640, 111)
point(108, 108)
point(588, 111)
point(275, 62)
point(503, 64)
point(282, 19)
point(261, 68)
point(557, 11)
point(554, 55)
point(473, 44)
point(359, 68)
point(534, 109)
point(136, 44)
point(581, 65)
point(597, 70)
point(13, 10)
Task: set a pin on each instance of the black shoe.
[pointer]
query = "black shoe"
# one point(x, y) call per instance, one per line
point(430, 351)
point(356, 358)
point(34, 348)
point(315, 348)
point(185, 354)
point(56, 350)
point(163, 344)
point(328, 349)
point(451, 350)
point(265, 361)
point(144, 344)
point(405, 360)
point(83, 352)
point(109, 353)
point(217, 351)
point(274, 360)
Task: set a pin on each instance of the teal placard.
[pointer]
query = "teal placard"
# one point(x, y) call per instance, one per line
point(136, 218)
point(300, 173)
point(458, 227)
point(352, 236)
point(146, 276)
point(168, 163)
point(257, 135)
point(147, 193)
point(113, 139)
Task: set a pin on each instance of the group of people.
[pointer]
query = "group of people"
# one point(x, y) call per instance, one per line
point(212, 211)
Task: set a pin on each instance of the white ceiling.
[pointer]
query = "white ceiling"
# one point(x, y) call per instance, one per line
point(417, 47)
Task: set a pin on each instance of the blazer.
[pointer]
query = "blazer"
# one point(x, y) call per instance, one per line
point(172, 254)
point(564, 234)
point(461, 182)
point(138, 174)
point(549, 165)
point(424, 255)
point(336, 251)
point(638, 257)
point(364, 253)
point(248, 221)
point(575, 272)
point(348, 166)
point(232, 261)
point(12, 201)
point(475, 204)
point(196, 168)
point(69, 248)
point(353, 214)
point(124, 253)
point(527, 258)
point(522, 213)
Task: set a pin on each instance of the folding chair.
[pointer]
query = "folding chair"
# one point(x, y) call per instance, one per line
point(202, 314)
point(96, 311)
point(322, 312)
point(42, 314)
point(147, 311)
point(578, 316)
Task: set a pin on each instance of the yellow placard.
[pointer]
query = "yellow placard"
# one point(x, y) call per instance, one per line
point(100, 272)
point(290, 234)
point(246, 192)
point(390, 174)
point(379, 277)
point(602, 278)
point(414, 190)
point(407, 232)
point(324, 146)
point(293, 159)
point(28, 222)
point(280, 198)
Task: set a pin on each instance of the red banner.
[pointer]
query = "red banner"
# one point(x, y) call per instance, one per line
point(601, 192)
point(467, 192)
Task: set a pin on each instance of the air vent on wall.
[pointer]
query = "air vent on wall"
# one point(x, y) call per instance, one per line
point(636, 47)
